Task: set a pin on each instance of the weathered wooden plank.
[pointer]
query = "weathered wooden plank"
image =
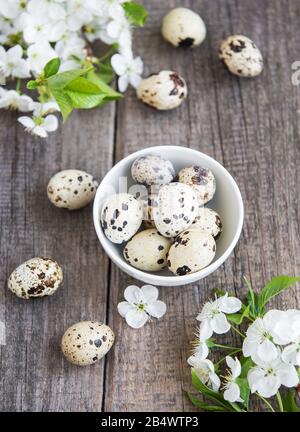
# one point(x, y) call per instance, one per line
point(251, 126)
point(34, 376)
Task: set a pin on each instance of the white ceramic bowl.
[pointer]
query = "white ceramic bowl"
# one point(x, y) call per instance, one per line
point(227, 202)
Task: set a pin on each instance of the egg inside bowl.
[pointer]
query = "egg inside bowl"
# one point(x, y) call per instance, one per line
point(227, 201)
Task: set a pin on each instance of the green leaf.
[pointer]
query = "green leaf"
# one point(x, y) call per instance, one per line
point(61, 80)
point(276, 286)
point(136, 13)
point(83, 85)
point(32, 85)
point(84, 101)
point(203, 405)
point(64, 102)
point(238, 318)
point(109, 91)
point(289, 402)
point(105, 72)
point(247, 364)
point(244, 389)
point(52, 67)
point(84, 94)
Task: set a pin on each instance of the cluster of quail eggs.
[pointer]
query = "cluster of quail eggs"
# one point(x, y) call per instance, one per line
point(86, 342)
point(169, 227)
point(184, 28)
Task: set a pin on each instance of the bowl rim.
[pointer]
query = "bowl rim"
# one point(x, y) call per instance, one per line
point(154, 277)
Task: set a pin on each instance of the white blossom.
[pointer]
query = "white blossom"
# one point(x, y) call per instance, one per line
point(10, 9)
point(261, 337)
point(39, 126)
point(200, 348)
point(232, 390)
point(205, 371)
point(287, 331)
point(12, 63)
point(141, 304)
point(38, 55)
point(11, 99)
point(213, 315)
point(268, 376)
point(60, 28)
point(129, 70)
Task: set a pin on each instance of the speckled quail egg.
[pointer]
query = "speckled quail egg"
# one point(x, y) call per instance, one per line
point(148, 215)
point(201, 180)
point(209, 221)
point(36, 277)
point(164, 91)
point(148, 250)
point(121, 217)
point(87, 342)
point(71, 189)
point(176, 209)
point(183, 28)
point(192, 251)
point(241, 56)
point(152, 169)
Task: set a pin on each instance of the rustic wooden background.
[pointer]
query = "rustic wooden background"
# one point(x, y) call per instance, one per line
point(251, 126)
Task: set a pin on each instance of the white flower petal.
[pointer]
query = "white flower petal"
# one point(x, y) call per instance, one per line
point(248, 347)
point(124, 307)
point(136, 319)
point(268, 386)
point(14, 54)
point(205, 331)
point(39, 131)
point(234, 365)
point(119, 64)
point(255, 374)
point(150, 293)
point(26, 121)
point(156, 309)
point(135, 80)
point(131, 293)
point(232, 393)
point(288, 375)
point(267, 351)
point(291, 354)
point(50, 123)
point(229, 304)
point(215, 381)
point(123, 82)
point(201, 350)
point(219, 324)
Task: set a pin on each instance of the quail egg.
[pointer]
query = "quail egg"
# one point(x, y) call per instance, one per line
point(152, 169)
point(87, 342)
point(36, 277)
point(164, 91)
point(183, 28)
point(121, 217)
point(201, 180)
point(149, 214)
point(241, 56)
point(176, 209)
point(148, 250)
point(209, 221)
point(192, 251)
point(71, 189)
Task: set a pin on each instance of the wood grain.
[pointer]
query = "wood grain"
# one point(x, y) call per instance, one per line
point(251, 126)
